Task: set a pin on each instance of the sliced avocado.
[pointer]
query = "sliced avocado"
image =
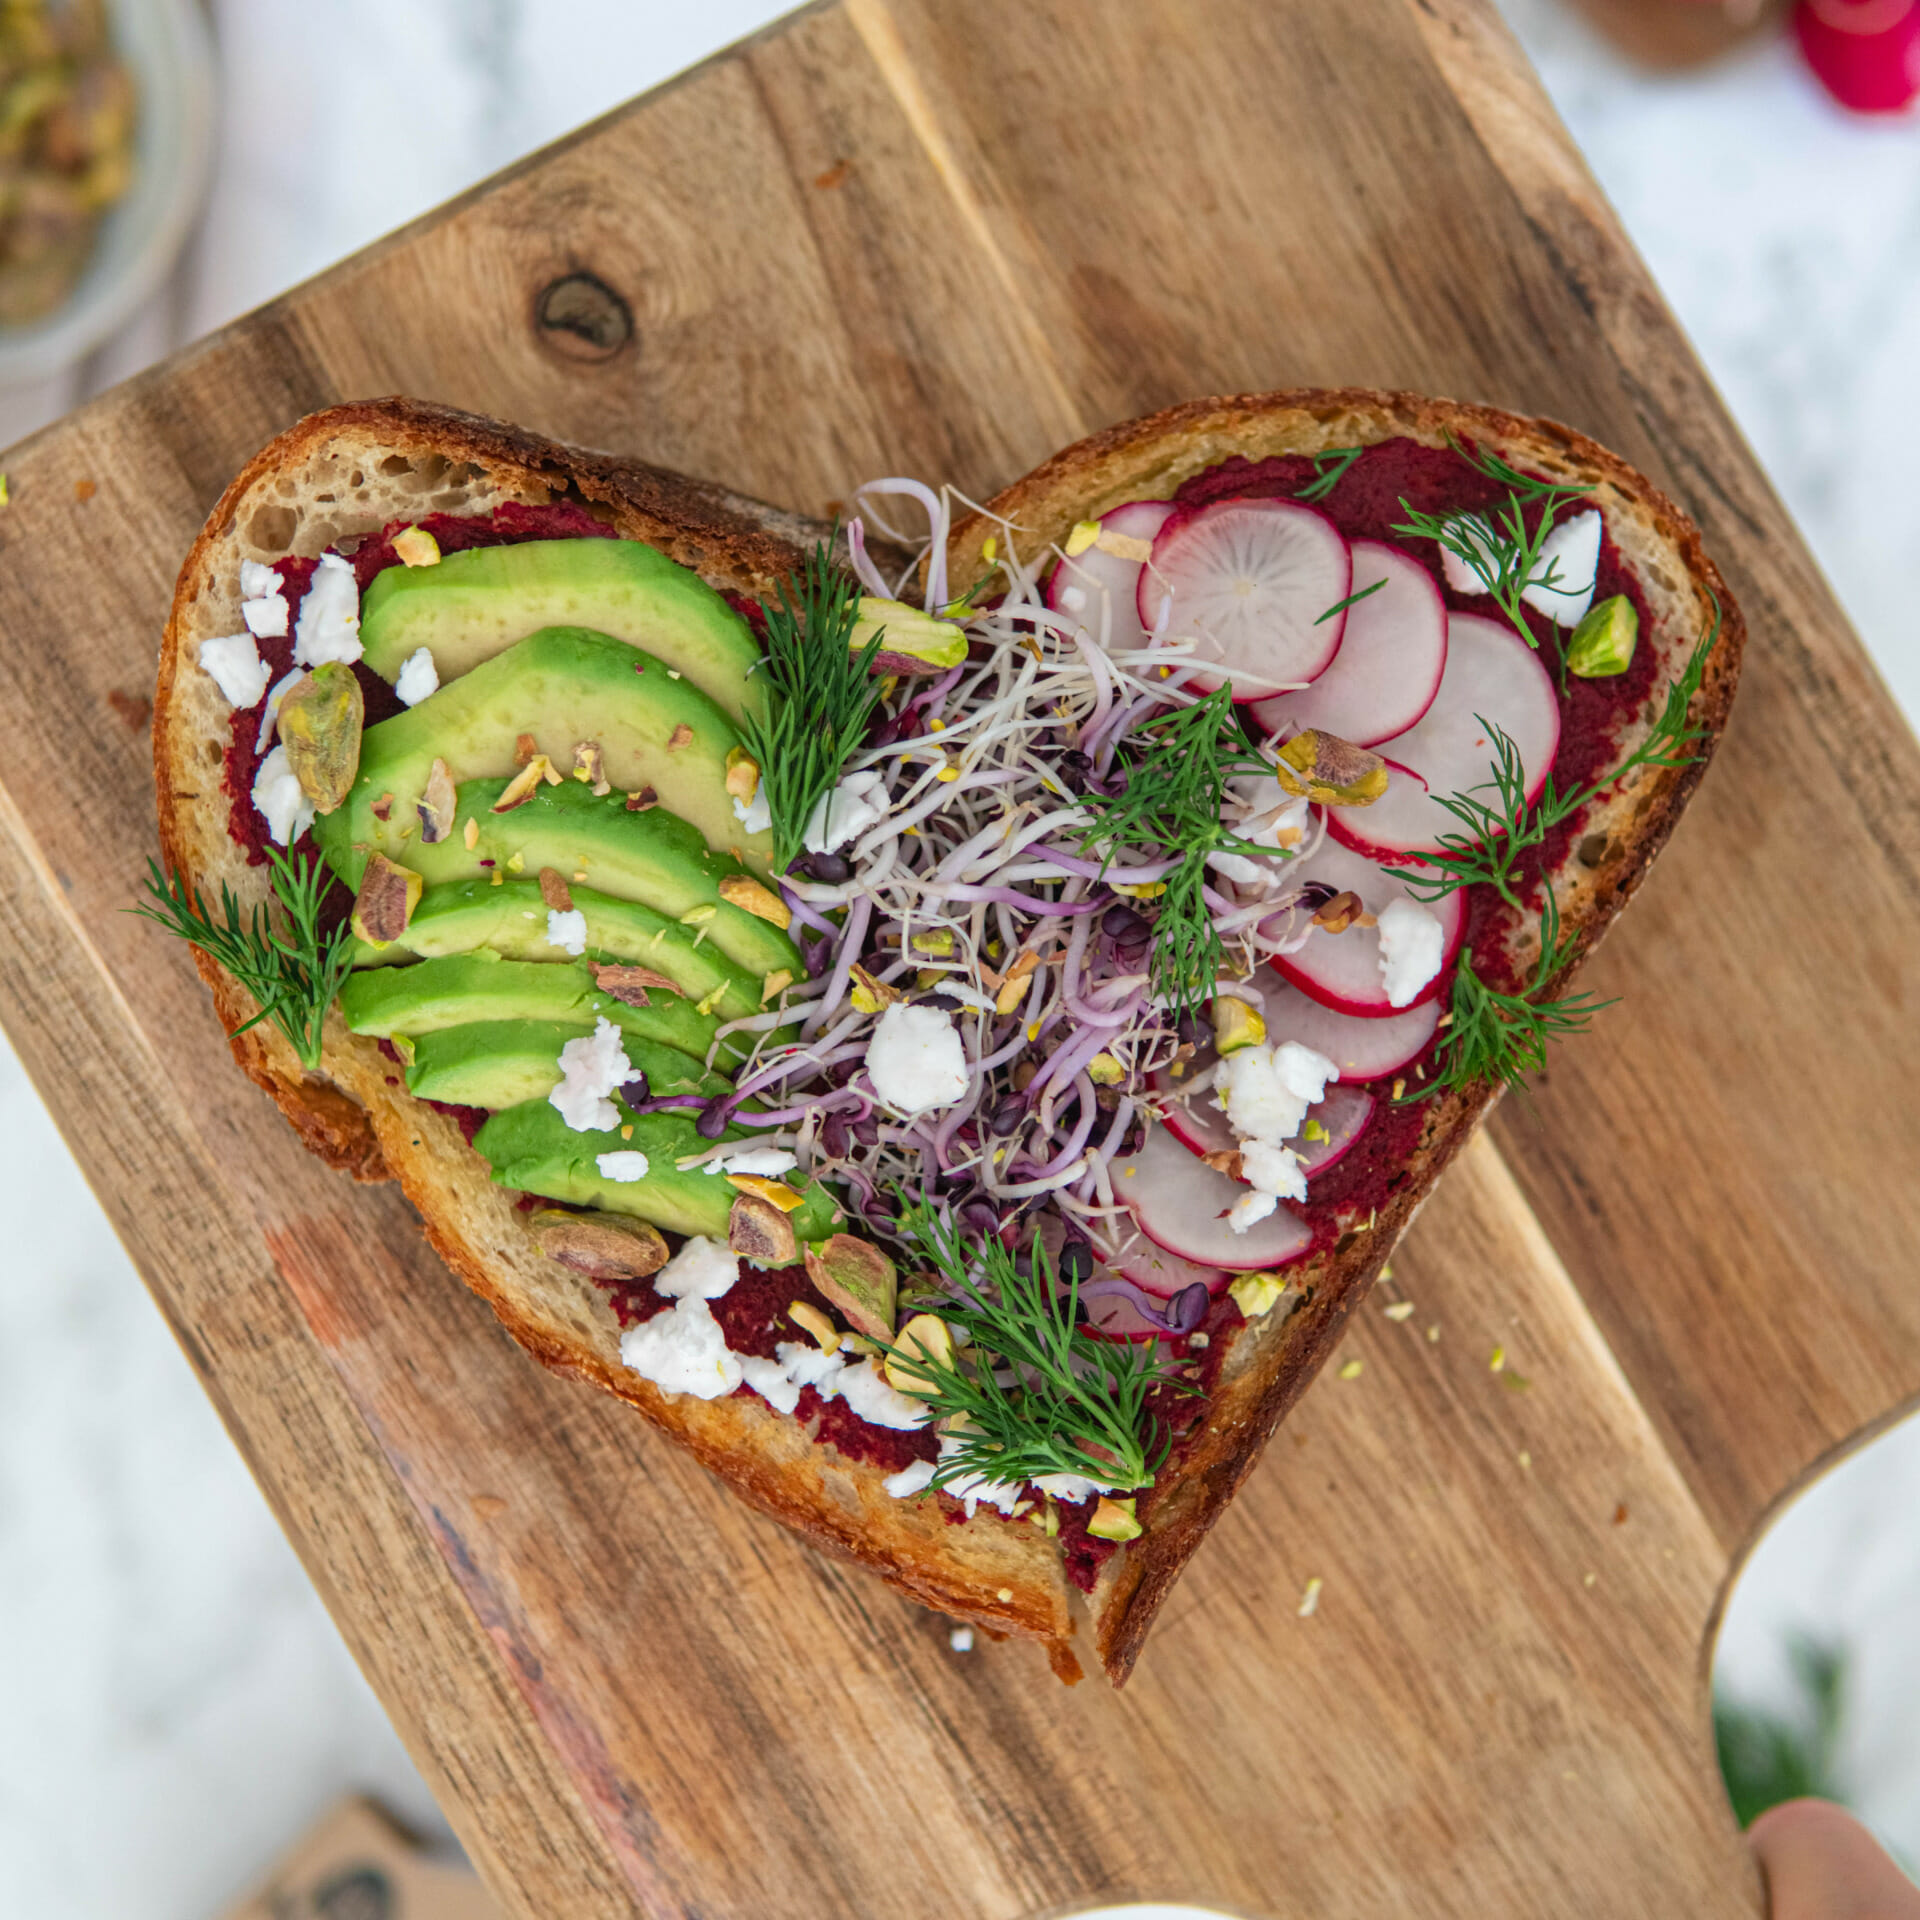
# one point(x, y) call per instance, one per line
point(654, 858)
point(468, 987)
point(476, 604)
point(511, 920)
point(500, 1063)
point(532, 1149)
point(560, 688)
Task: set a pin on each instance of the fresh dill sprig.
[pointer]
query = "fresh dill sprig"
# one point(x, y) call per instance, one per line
point(1329, 469)
point(295, 975)
point(1031, 1392)
point(1498, 548)
point(1500, 830)
point(1504, 1036)
point(820, 697)
point(1174, 773)
point(1352, 600)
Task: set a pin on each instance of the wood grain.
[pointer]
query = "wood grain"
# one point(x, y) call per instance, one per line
point(885, 237)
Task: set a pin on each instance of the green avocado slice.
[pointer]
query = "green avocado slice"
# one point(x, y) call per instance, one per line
point(511, 920)
point(500, 1063)
point(561, 688)
point(533, 1150)
point(474, 605)
point(467, 987)
point(653, 858)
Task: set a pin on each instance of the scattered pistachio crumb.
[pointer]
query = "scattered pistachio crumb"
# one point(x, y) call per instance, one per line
point(1589, 1579)
point(626, 1132)
point(1352, 1370)
point(1310, 1600)
point(1433, 1334)
point(1526, 1459)
point(472, 834)
point(1005, 1594)
point(1498, 1361)
point(1400, 1310)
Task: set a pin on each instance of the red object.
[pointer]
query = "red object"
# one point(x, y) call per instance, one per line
point(1866, 53)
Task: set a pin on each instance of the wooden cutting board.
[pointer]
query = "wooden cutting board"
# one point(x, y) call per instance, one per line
point(944, 237)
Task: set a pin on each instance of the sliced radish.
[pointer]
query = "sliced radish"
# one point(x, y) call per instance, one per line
point(1391, 657)
point(1342, 970)
point(1343, 1116)
point(1492, 676)
point(1151, 1268)
point(1181, 1206)
point(1361, 1049)
point(1251, 582)
point(1101, 584)
point(1199, 1125)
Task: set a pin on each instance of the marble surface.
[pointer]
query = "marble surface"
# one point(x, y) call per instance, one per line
point(178, 1705)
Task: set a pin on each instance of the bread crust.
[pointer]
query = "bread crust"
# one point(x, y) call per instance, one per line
point(356, 1115)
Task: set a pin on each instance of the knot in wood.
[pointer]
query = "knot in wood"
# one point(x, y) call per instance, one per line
point(580, 317)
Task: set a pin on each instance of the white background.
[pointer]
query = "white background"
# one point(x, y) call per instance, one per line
point(175, 1705)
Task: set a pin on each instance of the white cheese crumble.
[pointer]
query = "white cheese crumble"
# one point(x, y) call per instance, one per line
point(961, 1638)
point(1249, 1210)
point(975, 1489)
point(769, 1162)
point(417, 678)
point(857, 803)
point(702, 1266)
point(1271, 1169)
point(276, 696)
point(568, 931)
point(263, 601)
point(1574, 548)
point(807, 1365)
point(237, 669)
point(1073, 599)
point(329, 623)
point(1462, 576)
point(278, 796)
point(915, 1477)
point(1070, 1487)
point(628, 1164)
point(915, 1059)
point(258, 580)
point(755, 815)
point(1412, 945)
point(768, 1378)
point(1265, 1091)
point(683, 1350)
point(590, 1068)
point(864, 1388)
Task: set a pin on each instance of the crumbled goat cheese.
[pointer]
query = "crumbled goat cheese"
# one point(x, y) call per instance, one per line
point(1412, 945)
point(1574, 548)
point(1472, 531)
point(975, 1489)
point(961, 1638)
point(1270, 1169)
point(1070, 1487)
point(864, 1388)
point(915, 1477)
point(755, 815)
point(329, 623)
point(768, 1378)
point(769, 1162)
point(266, 618)
point(1249, 1210)
point(857, 803)
point(683, 1350)
point(276, 696)
point(915, 1059)
point(806, 1364)
point(590, 1068)
point(258, 580)
point(277, 794)
point(417, 678)
point(1073, 599)
point(237, 669)
point(1265, 1091)
point(567, 931)
point(623, 1166)
point(702, 1266)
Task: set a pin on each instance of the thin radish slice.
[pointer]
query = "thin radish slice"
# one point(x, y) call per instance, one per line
point(1361, 1049)
point(1181, 1206)
point(1492, 676)
point(1391, 657)
point(1151, 1268)
point(1102, 584)
point(1342, 970)
point(1199, 1125)
point(1343, 1116)
point(1251, 581)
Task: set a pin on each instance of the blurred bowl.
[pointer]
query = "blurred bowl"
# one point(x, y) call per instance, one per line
point(166, 45)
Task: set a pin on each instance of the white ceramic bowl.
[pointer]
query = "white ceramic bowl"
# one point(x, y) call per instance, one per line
point(166, 44)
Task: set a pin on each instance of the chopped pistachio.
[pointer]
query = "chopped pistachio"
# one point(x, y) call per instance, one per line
point(911, 642)
point(925, 1336)
point(743, 775)
point(775, 984)
point(743, 891)
point(1329, 771)
point(860, 1280)
point(1105, 1071)
point(1603, 642)
point(521, 787)
point(1257, 1294)
point(759, 1232)
point(681, 736)
point(386, 900)
point(554, 891)
point(436, 806)
point(321, 719)
point(1114, 1520)
point(1236, 1024)
point(416, 547)
point(805, 1315)
point(604, 1246)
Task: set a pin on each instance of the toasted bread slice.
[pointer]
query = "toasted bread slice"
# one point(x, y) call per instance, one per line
point(350, 471)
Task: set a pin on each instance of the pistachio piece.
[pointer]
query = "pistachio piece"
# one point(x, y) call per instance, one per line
point(1256, 1294)
point(603, 1246)
point(524, 748)
point(937, 941)
point(743, 775)
point(681, 736)
point(759, 1232)
point(1227, 1160)
point(631, 985)
point(776, 1193)
point(1105, 1071)
point(590, 766)
point(775, 984)
point(1236, 1024)
point(639, 802)
point(321, 719)
point(555, 891)
point(436, 805)
point(870, 995)
point(416, 547)
point(859, 1279)
point(1603, 642)
point(1114, 1520)
point(1329, 771)
point(386, 900)
point(1339, 913)
point(911, 642)
point(743, 891)
point(927, 1336)
point(805, 1315)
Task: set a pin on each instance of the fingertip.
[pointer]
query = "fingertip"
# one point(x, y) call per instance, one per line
point(1820, 1863)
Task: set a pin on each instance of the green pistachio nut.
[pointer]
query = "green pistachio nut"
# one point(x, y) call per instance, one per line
point(1603, 643)
point(859, 1279)
point(912, 642)
point(321, 720)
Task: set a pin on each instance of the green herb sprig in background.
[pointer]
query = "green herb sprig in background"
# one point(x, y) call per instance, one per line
point(294, 974)
point(1074, 1404)
point(1329, 469)
point(820, 698)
